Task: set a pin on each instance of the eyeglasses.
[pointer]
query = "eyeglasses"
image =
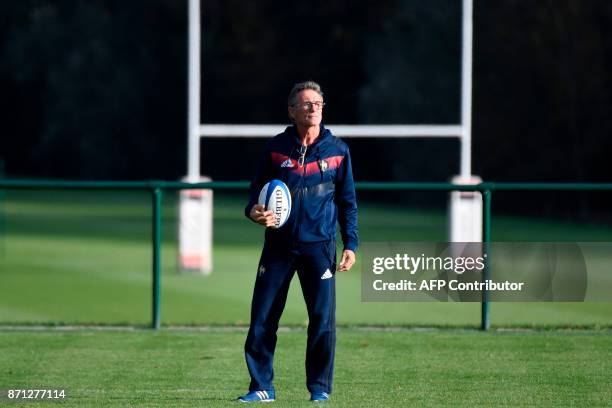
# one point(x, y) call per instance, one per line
point(306, 106)
point(302, 157)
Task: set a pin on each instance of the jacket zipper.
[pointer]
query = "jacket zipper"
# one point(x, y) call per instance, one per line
point(301, 212)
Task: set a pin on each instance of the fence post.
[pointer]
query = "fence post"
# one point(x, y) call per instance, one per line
point(157, 201)
point(486, 273)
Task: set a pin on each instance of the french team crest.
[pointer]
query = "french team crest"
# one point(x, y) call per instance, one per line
point(323, 165)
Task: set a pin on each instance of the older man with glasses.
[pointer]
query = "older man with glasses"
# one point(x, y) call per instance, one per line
point(316, 166)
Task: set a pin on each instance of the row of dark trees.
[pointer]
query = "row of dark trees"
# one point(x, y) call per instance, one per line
point(97, 89)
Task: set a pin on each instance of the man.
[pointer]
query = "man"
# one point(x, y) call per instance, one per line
point(316, 167)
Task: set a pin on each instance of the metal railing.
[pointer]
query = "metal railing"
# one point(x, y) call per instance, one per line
point(156, 189)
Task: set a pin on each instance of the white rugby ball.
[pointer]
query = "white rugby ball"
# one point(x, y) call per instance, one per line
point(275, 196)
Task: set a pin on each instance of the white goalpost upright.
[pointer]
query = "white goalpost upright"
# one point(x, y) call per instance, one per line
point(195, 206)
point(465, 209)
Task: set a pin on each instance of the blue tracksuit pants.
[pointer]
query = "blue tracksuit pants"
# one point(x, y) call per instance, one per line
point(315, 264)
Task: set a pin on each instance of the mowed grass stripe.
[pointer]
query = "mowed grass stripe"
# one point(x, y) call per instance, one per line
point(443, 368)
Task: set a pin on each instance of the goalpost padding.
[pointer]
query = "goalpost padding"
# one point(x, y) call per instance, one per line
point(195, 229)
point(465, 212)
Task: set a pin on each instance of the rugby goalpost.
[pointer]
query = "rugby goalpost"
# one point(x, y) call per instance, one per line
point(195, 210)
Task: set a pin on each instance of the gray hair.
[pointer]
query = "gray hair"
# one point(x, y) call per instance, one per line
point(299, 87)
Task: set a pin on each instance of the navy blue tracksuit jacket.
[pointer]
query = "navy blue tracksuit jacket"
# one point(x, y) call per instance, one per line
point(323, 195)
point(322, 191)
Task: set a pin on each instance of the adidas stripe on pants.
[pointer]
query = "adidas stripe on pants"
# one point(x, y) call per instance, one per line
point(314, 262)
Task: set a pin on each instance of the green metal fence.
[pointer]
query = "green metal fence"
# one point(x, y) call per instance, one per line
point(157, 188)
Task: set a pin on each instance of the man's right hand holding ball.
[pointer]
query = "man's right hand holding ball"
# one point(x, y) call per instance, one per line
point(261, 216)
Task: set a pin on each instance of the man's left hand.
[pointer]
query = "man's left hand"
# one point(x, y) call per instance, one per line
point(347, 261)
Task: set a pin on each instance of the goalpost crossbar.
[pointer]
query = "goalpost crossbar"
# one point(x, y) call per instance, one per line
point(392, 131)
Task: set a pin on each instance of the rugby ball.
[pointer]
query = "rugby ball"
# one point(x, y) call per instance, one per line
point(275, 196)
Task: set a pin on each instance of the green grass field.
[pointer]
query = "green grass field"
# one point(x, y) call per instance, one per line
point(84, 259)
point(175, 368)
